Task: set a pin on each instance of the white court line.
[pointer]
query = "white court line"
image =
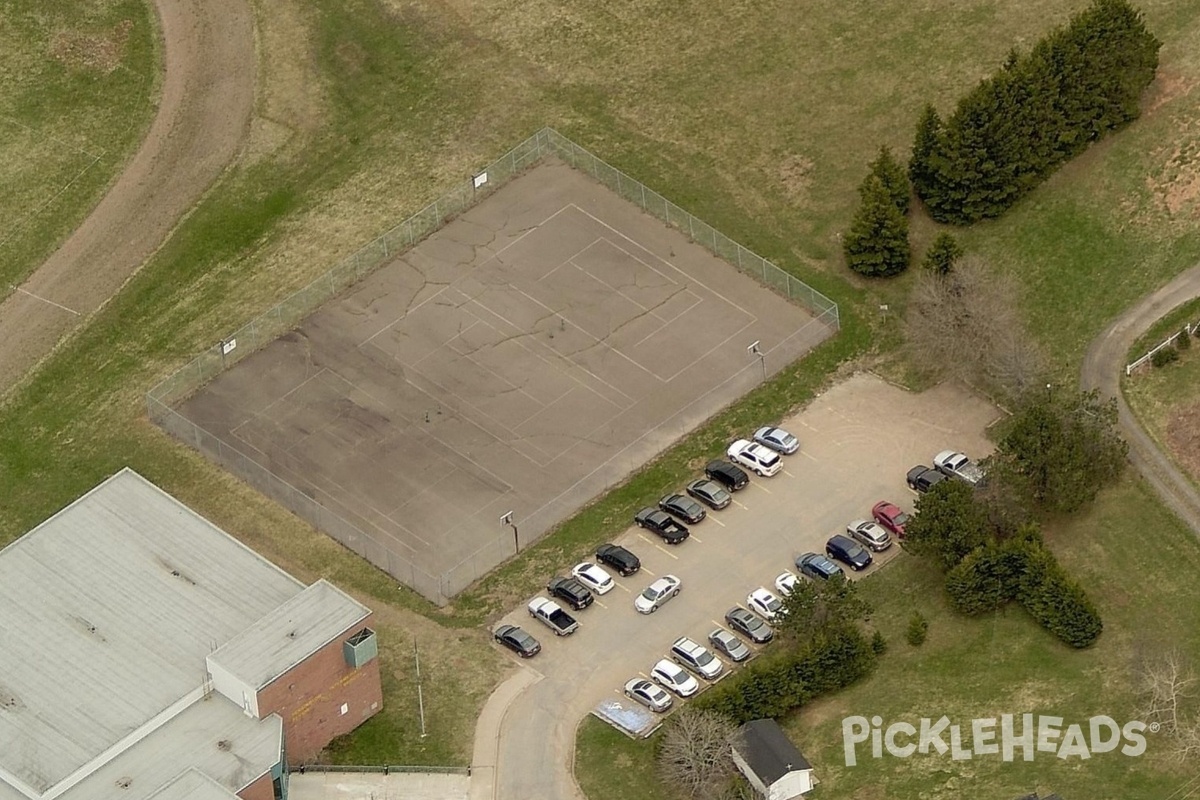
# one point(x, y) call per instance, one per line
point(497, 375)
point(557, 356)
point(688, 278)
point(43, 299)
point(494, 257)
point(705, 354)
point(594, 339)
point(665, 323)
point(408, 312)
point(263, 411)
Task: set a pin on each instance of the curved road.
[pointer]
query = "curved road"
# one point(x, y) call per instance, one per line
point(203, 115)
point(1102, 368)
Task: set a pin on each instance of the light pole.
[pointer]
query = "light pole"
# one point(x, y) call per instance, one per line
point(762, 358)
point(507, 519)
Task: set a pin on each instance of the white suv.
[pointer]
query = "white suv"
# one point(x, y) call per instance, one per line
point(697, 658)
point(761, 460)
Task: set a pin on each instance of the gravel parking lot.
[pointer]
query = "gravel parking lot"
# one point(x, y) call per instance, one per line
point(857, 442)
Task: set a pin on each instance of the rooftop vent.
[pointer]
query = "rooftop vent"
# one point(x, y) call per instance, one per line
point(360, 648)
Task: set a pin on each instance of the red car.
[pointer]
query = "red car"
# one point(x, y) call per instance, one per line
point(890, 516)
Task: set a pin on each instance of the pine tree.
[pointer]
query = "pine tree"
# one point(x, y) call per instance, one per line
point(925, 151)
point(942, 254)
point(877, 243)
point(892, 176)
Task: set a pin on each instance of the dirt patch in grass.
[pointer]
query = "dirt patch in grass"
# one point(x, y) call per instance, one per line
point(1183, 436)
point(95, 52)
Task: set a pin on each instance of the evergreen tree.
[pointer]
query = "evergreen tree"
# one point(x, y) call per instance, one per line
point(942, 254)
point(925, 151)
point(892, 176)
point(877, 243)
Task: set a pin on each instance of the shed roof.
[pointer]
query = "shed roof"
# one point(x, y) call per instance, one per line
point(107, 611)
point(769, 752)
point(289, 634)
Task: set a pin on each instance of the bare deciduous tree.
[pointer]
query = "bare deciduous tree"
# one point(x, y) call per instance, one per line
point(965, 324)
point(695, 753)
point(1166, 684)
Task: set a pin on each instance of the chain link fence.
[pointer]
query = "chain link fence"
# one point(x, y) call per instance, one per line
point(311, 503)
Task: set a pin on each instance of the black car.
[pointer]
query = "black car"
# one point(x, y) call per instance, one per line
point(849, 552)
point(661, 523)
point(571, 591)
point(710, 493)
point(685, 508)
point(818, 567)
point(922, 478)
point(731, 476)
point(620, 559)
point(518, 641)
point(749, 625)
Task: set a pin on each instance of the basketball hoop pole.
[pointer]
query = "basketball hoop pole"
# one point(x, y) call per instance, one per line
point(507, 519)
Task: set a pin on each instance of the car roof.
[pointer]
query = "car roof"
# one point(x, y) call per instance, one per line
point(842, 541)
point(503, 629)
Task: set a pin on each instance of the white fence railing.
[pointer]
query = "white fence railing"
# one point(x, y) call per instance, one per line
point(1187, 329)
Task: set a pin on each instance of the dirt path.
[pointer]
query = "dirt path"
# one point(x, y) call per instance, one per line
point(203, 115)
point(1102, 367)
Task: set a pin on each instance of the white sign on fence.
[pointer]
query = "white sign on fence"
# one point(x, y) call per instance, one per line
point(480, 179)
point(227, 347)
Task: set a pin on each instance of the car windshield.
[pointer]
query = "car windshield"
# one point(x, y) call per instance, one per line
point(703, 657)
point(900, 519)
point(772, 604)
point(651, 593)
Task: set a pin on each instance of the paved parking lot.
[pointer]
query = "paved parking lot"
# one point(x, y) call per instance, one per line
point(857, 442)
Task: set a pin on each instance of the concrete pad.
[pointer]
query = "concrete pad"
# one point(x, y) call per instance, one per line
point(372, 786)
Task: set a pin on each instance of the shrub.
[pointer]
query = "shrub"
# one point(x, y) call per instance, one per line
point(878, 644)
point(918, 627)
point(1184, 340)
point(942, 254)
point(1057, 602)
point(989, 577)
point(876, 246)
point(1164, 356)
point(773, 685)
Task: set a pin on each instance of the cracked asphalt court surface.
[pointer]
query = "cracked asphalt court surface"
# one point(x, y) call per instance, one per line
point(524, 358)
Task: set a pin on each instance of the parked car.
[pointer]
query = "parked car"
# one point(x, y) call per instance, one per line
point(956, 465)
point(890, 516)
point(594, 577)
point(697, 658)
point(731, 476)
point(765, 604)
point(620, 559)
point(817, 567)
point(671, 676)
point(659, 522)
point(710, 493)
point(762, 461)
point(870, 535)
point(849, 552)
point(786, 583)
point(517, 640)
point(649, 695)
point(922, 478)
point(656, 594)
point(683, 507)
point(571, 591)
point(778, 440)
point(728, 644)
point(749, 625)
point(550, 614)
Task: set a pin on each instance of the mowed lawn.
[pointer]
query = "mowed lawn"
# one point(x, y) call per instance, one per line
point(79, 93)
point(757, 117)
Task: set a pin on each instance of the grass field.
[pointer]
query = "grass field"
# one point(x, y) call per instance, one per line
point(79, 85)
point(755, 117)
point(1167, 399)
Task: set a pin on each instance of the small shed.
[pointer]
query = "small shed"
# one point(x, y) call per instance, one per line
point(772, 764)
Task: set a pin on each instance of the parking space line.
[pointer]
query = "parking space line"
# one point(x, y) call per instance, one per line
point(648, 572)
point(668, 552)
point(809, 457)
point(620, 586)
point(597, 602)
point(810, 427)
point(765, 489)
point(785, 472)
point(739, 504)
point(714, 519)
point(695, 538)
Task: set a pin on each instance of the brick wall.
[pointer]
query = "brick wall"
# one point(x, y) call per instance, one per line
point(261, 789)
point(322, 698)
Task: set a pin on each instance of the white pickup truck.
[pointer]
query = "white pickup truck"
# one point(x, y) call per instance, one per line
point(550, 614)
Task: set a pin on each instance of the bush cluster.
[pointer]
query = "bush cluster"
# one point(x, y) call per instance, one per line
point(1015, 128)
point(773, 685)
point(1023, 569)
point(918, 628)
point(1165, 355)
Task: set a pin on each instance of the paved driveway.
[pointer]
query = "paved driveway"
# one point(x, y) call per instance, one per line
point(857, 442)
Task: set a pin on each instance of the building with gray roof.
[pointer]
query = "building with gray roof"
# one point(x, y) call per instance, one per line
point(122, 616)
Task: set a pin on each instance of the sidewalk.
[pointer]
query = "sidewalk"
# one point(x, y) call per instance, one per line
point(377, 786)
